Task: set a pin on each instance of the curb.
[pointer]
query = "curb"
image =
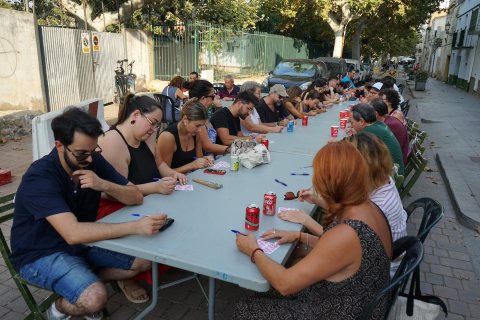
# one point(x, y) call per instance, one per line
point(455, 191)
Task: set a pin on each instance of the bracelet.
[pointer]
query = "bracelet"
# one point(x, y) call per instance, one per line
point(252, 256)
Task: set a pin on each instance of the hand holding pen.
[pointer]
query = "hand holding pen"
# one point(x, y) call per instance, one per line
point(165, 185)
point(149, 224)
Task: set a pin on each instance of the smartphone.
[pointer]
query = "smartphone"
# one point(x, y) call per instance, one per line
point(215, 171)
point(167, 224)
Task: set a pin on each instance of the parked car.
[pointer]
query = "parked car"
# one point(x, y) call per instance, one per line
point(296, 72)
point(368, 70)
point(361, 74)
point(335, 66)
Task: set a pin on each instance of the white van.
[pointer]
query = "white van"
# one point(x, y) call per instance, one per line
point(361, 74)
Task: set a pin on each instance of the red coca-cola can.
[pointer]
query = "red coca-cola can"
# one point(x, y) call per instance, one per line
point(269, 203)
point(305, 121)
point(252, 217)
point(351, 106)
point(265, 143)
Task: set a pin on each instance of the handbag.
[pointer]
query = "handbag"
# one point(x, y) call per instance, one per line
point(415, 305)
point(421, 310)
point(249, 153)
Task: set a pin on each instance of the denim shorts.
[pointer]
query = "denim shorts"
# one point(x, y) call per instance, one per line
point(69, 275)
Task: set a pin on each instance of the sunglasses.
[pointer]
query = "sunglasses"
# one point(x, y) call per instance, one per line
point(290, 195)
point(82, 156)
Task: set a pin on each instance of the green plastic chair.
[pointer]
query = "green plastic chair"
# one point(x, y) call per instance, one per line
point(416, 165)
point(36, 309)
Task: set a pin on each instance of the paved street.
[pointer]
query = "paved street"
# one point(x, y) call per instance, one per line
point(451, 266)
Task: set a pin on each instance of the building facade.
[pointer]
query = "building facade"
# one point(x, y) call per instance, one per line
point(464, 63)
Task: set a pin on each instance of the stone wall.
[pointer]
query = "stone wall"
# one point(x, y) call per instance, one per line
point(20, 83)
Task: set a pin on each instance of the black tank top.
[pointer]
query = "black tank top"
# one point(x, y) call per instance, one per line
point(180, 157)
point(142, 167)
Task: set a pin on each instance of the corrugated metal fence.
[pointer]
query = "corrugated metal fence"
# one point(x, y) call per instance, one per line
point(74, 75)
point(199, 46)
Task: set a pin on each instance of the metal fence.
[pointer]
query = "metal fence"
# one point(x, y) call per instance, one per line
point(199, 46)
point(71, 73)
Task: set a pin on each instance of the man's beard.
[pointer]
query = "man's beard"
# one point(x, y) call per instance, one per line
point(72, 165)
point(243, 116)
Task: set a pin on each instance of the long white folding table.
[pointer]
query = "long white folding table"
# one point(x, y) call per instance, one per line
point(200, 239)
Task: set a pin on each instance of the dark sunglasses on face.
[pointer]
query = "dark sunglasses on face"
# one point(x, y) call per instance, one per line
point(82, 156)
point(290, 195)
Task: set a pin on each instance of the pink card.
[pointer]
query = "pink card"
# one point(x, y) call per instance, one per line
point(186, 187)
point(268, 247)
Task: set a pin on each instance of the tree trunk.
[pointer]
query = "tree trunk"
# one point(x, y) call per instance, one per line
point(338, 48)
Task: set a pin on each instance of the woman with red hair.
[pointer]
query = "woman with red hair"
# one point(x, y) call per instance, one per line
point(344, 268)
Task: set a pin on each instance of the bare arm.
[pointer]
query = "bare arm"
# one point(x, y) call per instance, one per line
point(227, 138)
point(290, 107)
point(259, 128)
point(126, 194)
point(179, 94)
point(327, 260)
point(74, 232)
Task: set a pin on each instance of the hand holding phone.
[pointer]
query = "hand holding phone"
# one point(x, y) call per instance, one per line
point(167, 224)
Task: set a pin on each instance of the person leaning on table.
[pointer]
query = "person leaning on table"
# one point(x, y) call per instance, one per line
point(54, 216)
point(345, 268)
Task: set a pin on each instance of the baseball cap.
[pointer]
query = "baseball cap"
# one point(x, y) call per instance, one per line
point(377, 86)
point(280, 89)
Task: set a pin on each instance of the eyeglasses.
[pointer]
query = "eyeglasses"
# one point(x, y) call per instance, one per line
point(152, 124)
point(290, 195)
point(82, 155)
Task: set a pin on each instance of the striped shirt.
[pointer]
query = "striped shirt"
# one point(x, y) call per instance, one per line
point(388, 199)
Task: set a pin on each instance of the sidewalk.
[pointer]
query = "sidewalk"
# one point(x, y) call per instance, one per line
point(451, 264)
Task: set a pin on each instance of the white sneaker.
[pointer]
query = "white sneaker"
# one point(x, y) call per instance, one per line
point(50, 315)
point(95, 316)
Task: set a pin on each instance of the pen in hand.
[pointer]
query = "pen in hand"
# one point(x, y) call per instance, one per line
point(139, 215)
point(238, 232)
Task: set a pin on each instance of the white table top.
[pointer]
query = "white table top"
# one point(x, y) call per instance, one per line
point(200, 239)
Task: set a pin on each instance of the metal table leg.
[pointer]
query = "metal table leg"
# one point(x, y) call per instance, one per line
point(154, 295)
point(211, 299)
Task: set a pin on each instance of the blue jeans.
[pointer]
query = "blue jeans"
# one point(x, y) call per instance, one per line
point(69, 275)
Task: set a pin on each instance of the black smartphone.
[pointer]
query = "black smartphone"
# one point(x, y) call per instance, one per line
point(167, 224)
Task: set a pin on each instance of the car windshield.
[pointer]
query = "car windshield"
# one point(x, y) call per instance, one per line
point(334, 67)
point(294, 69)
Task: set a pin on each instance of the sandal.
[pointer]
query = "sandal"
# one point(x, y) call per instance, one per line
point(134, 296)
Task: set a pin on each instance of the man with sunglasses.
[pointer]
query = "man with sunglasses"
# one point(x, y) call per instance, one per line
point(55, 209)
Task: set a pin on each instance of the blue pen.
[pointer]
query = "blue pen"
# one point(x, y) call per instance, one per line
point(300, 174)
point(283, 183)
point(156, 179)
point(238, 232)
point(139, 215)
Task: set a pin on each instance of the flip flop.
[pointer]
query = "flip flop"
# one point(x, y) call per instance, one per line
point(132, 296)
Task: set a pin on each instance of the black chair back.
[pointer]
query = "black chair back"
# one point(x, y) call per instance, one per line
point(168, 106)
point(413, 249)
point(432, 214)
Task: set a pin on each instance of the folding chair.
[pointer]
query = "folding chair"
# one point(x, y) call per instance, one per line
point(432, 214)
point(405, 107)
point(36, 309)
point(413, 249)
point(168, 106)
point(415, 166)
point(398, 178)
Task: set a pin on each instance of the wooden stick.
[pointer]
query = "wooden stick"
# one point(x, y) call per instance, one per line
point(208, 183)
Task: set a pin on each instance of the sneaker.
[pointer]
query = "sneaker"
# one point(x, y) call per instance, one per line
point(94, 316)
point(50, 315)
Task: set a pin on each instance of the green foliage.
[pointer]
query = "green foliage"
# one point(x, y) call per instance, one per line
point(421, 76)
point(4, 4)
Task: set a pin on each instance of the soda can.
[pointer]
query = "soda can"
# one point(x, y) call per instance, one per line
point(234, 163)
point(290, 126)
point(343, 123)
point(305, 121)
point(265, 143)
point(252, 217)
point(269, 203)
point(351, 106)
point(347, 113)
point(342, 114)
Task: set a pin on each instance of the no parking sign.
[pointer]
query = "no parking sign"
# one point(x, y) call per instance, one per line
point(96, 41)
point(85, 43)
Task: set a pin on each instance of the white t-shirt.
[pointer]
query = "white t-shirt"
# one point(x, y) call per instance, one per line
point(387, 198)
point(255, 117)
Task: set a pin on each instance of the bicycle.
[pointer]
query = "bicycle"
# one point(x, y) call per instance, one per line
point(124, 83)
